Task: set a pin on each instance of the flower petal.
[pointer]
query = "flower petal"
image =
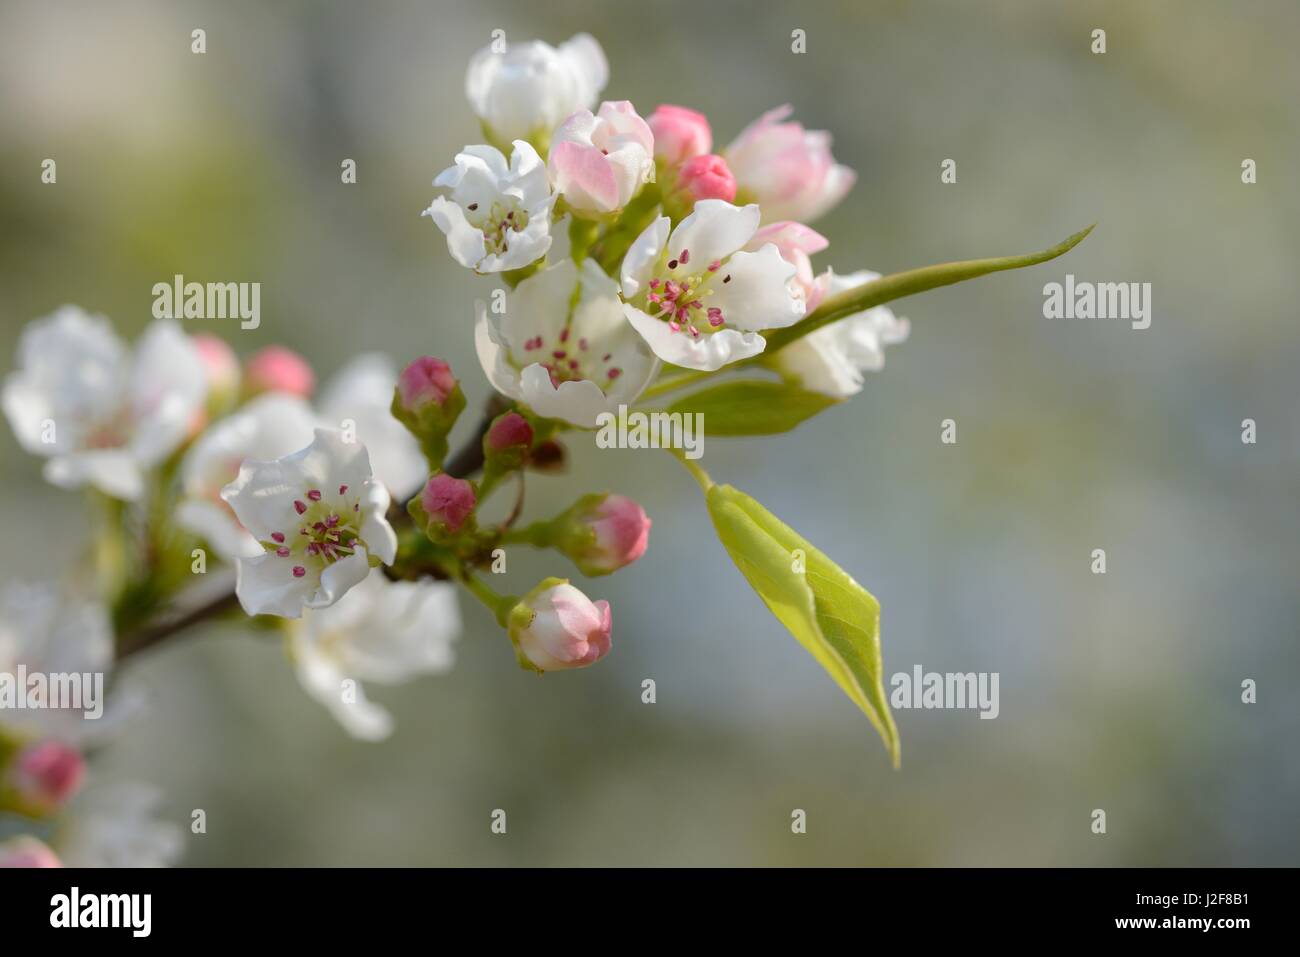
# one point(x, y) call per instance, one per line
point(464, 242)
point(707, 353)
point(759, 295)
point(642, 255)
point(714, 231)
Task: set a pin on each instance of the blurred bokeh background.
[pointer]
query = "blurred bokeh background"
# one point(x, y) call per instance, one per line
point(1119, 691)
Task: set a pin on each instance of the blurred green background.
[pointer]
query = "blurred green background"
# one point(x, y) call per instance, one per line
point(1119, 692)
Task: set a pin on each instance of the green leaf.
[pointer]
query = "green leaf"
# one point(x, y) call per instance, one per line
point(909, 283)
point(753, 406)
point(831, 615)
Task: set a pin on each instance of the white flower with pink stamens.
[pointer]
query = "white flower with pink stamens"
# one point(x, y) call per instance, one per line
point(319, 515)
point(101, 415)
point(599, 161)
point(832, 359)
point(498, 216)
point(563, 347)
point(696, 298)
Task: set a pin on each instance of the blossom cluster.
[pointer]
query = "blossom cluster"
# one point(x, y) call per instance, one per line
point(636, 257)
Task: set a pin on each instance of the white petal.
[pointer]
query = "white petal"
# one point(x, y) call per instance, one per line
point(713, 231)
point(115, 472)
point(338, 577)
point(322, 678)
point(538, 306)
point(464, 242)
point(363, 392)
point(707, 353)
point(375, 531)
point(642, 255)
point(820, 366)
point(578, 402)
point(588, 65)
point(215, 523)
point(759, 295)
point(528, 180)
point(265, 585)
point(492, 353)
point(169, 388)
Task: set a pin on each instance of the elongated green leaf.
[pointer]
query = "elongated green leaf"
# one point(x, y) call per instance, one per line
point(753, 406)
point(900, 284)
point(831, 615)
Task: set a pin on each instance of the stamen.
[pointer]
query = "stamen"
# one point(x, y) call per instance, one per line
point(343, 490)
point(686, 256)
point(282, 552)
point(314, 494)
point(299, 571)
point(300, 507)
point(277, 537)
point(715, 265)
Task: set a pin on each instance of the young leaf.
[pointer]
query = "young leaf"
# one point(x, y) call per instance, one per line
point(753, 406)
point(831, 615)
point(909, 283)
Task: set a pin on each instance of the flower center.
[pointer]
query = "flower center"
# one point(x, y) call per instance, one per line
point(497, 222)
point(570, 360)
point(328, 531)
point(679, 296)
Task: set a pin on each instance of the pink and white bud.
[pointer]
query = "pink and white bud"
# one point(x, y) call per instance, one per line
point(448, 502)
point(425, 381)
point(510, 431)
point(679, 134)
point(44, 775)
point(602, 533)
point(555, 627)
point(599, 161)
point(787, 170)
point(796, 243)
point(277, 369)
point(26, 851)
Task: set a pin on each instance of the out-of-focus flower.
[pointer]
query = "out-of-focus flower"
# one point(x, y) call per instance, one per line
point(599, 161)
point(100, 415)
point(26, 851)
point(48, 632)
point(524, 92)
point(268, 427)
point(679, 134)
point(696, 298)
point(117, 826)
point(42, 777)
point(602, 533)
point(556, 627)
point(357, 400)
point(320, 517)
point(498, 216)
point(796, 243)
point(563, 348)
point(787, 170)
point(222, 369)
point(381, 631)
point(277, 369)
point(831, 360)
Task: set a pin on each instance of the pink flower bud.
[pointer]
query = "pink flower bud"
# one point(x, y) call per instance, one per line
point(510, 431)
point(679, 134)
point(219, 363)
point(707, 177)
point(555, 627)
point(604, 533)
point(448, 501)
point(46, 774)
point(25, 851)
point(277, 369)
point(424, 381)
point(787, 170)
